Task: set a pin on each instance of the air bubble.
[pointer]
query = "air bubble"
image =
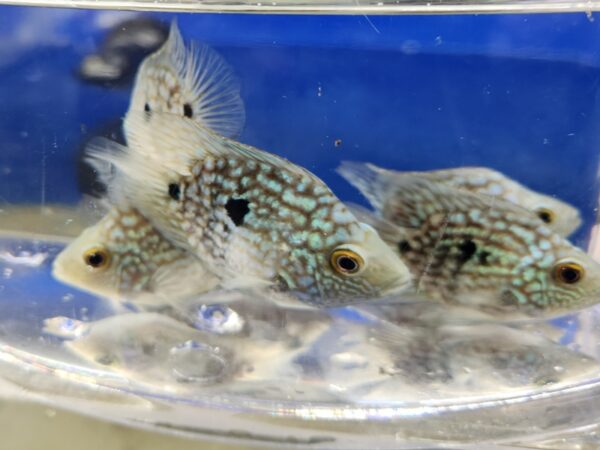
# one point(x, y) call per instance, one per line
point(84, 313)
point(195, 362)
point(218, 319)
point(65, 327)
point(24, 258)
point(349, 360)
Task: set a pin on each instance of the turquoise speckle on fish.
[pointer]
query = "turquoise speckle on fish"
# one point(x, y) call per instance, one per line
point(458, 253)
point(248, 234)
point(559, 216)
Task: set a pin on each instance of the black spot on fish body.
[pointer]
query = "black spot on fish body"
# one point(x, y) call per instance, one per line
point(483, 257)
point(147, 111)
point(174, 191)
point(237, 208)
point(467, 250)
point(404, 246)
point(188, 111)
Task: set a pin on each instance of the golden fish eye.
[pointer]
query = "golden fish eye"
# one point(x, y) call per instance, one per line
point(346, 262)
point(568, 272)
point(546, 215)
point(96, 258)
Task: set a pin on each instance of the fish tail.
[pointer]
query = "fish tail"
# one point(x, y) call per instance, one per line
point(122, 171)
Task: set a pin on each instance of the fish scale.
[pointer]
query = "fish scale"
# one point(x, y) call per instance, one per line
point(215, 181)
point(141, 248)
point(469, 249)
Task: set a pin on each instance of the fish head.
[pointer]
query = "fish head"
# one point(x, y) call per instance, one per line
point(152, 88)
point(574, 279)
point(562, 281)
point(359, 268)
point(88, 264)
point(559, 216)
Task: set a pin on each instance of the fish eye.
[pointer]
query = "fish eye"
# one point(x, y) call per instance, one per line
point(568, 272)
point(346, 262)
point(96, 258)
point(546, 215)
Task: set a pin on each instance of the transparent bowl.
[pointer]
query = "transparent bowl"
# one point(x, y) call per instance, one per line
point(514, 92)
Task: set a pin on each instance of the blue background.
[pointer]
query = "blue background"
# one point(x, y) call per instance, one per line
point(514, 92)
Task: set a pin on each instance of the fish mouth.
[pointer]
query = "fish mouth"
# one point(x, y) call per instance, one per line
point(58, 271)
point(397, 286)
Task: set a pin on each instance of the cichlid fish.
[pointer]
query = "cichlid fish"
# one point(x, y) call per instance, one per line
point(254, 218)
point(559, 216)
point(191, 81)
point(123, 256)
point(475, 250)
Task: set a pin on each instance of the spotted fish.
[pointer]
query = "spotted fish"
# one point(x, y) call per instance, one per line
point(123, 257)
point(559, 216)
point(255, 219)
point(476, 250)
point(191, 81)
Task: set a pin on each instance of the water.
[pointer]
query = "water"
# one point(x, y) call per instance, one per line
point(516, 93)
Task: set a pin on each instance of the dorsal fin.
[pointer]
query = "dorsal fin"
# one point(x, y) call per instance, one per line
point(189, 81)
point(389, 232)
point(367, 178)
point(407, 199)
point(176, 143)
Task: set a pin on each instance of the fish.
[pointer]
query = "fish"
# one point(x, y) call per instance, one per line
point(191, 81)
point(256, 219)
point(123, 256)
point(475, 250)
point(559, 216)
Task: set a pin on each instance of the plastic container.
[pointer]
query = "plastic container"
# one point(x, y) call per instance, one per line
point(517, 93)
